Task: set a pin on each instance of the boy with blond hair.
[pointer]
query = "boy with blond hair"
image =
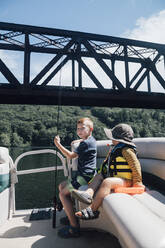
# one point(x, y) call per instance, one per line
point(86, 153)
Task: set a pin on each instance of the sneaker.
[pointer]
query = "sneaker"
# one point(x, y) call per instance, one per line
point(64, 221)
point(69, 232)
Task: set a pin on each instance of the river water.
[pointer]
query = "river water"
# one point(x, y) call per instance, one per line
point(36, 190)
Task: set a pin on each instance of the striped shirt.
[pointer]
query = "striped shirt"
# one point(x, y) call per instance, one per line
point(132, 160)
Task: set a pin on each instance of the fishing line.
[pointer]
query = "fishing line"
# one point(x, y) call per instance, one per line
point(56, 172)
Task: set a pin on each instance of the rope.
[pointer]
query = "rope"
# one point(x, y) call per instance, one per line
point(56, 173)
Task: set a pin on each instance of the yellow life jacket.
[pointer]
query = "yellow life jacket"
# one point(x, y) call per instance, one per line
point(120, 168)
point(115, 165)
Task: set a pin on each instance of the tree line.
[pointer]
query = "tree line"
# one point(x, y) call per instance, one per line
point(35, 125)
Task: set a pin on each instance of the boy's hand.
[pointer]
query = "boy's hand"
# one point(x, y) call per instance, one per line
point(56, 140)
point(76, 141)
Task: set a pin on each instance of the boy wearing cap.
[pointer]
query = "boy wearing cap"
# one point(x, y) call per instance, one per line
point(121, 168)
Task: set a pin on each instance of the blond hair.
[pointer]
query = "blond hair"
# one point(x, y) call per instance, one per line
point(87, 121)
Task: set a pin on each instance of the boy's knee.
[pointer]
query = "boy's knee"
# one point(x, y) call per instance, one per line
point(106, 182)
point(63, 190)
point(62, 186)
point(64, 193)
point(61, 193)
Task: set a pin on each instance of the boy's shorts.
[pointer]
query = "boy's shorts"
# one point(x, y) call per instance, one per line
point(77, 181)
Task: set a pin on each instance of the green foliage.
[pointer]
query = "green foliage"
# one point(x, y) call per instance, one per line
point(28, 125)
point(5, 139)
point(17, 140)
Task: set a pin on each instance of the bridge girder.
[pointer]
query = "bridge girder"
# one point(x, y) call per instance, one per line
point(105, 52)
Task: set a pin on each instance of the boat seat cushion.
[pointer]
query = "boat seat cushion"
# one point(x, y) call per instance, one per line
point(153, 166)
point(151, 147)
point(137, 225)
point(154, 201)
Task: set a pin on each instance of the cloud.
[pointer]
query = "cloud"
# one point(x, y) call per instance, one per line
point(14, 61)
point(149, 29)
point(9, 59)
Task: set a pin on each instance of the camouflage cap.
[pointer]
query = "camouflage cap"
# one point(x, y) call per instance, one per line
point(122, 133)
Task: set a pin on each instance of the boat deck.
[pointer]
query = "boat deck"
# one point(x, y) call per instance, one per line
point(20, 232)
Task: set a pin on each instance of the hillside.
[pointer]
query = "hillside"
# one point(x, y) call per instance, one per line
point(27, 125)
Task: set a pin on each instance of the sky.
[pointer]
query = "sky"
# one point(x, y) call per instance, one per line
point(109, 17)
point(135, 19)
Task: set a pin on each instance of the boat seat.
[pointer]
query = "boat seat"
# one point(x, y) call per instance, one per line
point(137, 221)
point(151, 155)
point(137, 224)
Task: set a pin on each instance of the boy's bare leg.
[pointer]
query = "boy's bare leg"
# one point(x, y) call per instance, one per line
point(94, 185)
point(66, 200)
point(105, 189)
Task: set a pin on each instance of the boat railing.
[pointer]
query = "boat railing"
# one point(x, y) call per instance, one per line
point(15, 172)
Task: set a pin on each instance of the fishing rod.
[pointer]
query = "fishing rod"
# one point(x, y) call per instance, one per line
point(55, 201)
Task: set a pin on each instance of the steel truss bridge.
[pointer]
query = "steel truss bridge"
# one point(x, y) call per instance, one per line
point(79, 68)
